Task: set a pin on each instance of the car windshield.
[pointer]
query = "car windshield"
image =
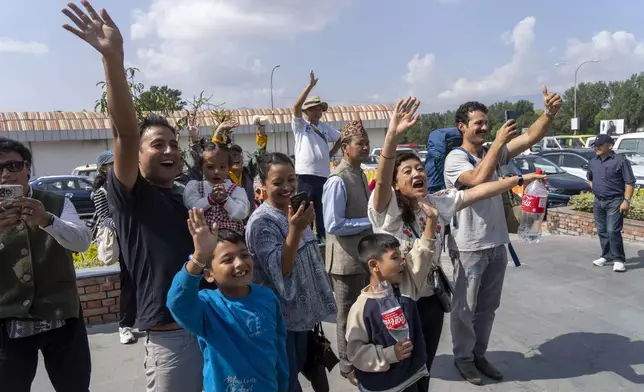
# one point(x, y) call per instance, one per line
point(371, 160)
point(422, 155)
point(531, 164)
point(587, 154)
point(570, 142)
point(634, 158)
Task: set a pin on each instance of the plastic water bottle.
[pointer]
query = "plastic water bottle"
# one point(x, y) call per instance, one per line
point(391, 312)
point(533, 210)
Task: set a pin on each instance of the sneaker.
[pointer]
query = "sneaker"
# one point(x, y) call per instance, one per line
point(485, 367)
point(351, 377)
point(126, 335)
point(469, 372)
point(619, 266)
point(600, 262)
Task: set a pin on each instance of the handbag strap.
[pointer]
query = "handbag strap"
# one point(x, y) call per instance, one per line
point(320, 134)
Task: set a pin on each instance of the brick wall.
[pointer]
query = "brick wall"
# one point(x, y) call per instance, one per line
point(565, 220)
point(100, 298)
point(99, 290)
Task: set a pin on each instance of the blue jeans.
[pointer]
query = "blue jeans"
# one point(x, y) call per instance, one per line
point(609, 222)
point(314, 186)
point(297, 348)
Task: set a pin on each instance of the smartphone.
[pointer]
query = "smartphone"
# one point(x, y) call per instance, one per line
point(8, 193)
point(299, 199)
point(510, 115)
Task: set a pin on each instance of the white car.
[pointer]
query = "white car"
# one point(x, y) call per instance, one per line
point(85, 171)
point(630, 142)
point(370, 163)
point(575, 162)
point(376, 151)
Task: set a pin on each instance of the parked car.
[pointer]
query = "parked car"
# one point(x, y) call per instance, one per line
point(85, 171)
point(561, 185)
point(575, 161)
point(78, 189)
point(560, 142)
point(631, 142)
point(370, 163)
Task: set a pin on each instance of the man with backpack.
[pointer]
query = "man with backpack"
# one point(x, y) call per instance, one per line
point(479, 233)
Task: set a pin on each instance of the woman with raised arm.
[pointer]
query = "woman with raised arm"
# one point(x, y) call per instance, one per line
point(399, 205)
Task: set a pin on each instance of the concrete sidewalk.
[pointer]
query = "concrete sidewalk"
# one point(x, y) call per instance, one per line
point(563, 326)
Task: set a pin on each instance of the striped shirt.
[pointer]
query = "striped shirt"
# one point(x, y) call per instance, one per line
point(102, 213)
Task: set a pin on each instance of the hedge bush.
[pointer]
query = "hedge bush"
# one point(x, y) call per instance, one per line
point(89, 259)
point(585, 202)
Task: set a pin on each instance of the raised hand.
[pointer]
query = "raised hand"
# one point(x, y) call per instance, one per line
point(302, 218)
point(100, 31)
point(225, 128)
point(312, 80)
point(507, 132)
point(404, 116)
point(193, 128)
point(204, 237)
point(552, 101)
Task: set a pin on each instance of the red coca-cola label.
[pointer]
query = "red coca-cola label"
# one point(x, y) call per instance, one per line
point(394, 318)
point(534, 204)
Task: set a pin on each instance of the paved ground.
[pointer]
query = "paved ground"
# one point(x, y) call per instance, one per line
point(564, 326)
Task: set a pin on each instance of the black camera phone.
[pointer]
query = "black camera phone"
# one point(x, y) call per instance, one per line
point(299, 199)
point(510, 115)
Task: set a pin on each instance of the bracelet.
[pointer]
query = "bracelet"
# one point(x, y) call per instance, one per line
point(385, 157)
point(196, 262)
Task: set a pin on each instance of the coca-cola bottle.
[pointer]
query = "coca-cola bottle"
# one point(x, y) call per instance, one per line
point(391, 312)
point(533, 210)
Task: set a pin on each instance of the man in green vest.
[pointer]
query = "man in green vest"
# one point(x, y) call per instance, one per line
point(345, 199)
point(39, 304)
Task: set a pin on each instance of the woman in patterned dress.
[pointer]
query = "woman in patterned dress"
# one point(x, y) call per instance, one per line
point(288, 260)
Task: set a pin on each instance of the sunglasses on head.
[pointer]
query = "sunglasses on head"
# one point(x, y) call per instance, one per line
point(13, 167)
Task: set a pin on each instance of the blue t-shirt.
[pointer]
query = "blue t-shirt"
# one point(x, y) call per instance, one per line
point(243, 340)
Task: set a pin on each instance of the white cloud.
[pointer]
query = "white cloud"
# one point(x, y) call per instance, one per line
point(504, 78)
point(216, 44)
point(420, 69)
point(619, 54)
point(8, 45)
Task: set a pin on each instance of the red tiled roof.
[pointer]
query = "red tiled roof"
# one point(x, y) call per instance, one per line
point(51, 121)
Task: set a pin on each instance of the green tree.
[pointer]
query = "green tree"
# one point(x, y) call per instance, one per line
point(164, 98)
point(591, 99)
point(627, 99)
point(165, 101)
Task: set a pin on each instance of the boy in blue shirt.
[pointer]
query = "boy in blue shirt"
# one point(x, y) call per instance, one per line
point(240, 325)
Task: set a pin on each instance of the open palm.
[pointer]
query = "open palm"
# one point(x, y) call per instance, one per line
point(204, 237)
point(404, 116)
point(100, 31)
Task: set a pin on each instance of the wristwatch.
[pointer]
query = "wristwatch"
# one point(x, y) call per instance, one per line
point(628, 201)
point(520, 180)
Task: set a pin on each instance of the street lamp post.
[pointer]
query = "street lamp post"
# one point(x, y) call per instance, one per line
point(273, 109)
point(576, 72)
point(574, 101)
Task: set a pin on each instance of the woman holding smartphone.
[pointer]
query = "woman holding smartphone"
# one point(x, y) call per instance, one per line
point(287, 258)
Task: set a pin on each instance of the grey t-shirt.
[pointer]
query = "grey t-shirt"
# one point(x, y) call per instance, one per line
point(481, 225)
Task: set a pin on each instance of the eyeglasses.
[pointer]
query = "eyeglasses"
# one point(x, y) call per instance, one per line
point(13, 167)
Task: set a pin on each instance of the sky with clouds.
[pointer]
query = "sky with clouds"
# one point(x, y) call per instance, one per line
point(364, 52)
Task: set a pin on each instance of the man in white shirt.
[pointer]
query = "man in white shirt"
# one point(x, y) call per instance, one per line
point(312, 154)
